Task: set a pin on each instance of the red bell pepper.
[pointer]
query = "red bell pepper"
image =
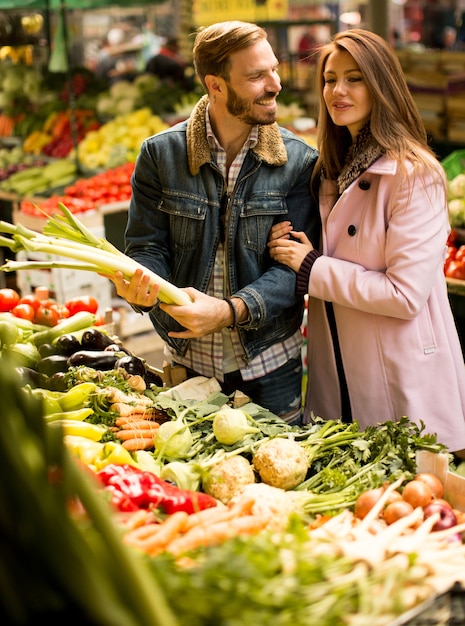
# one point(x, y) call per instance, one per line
point(132, 489)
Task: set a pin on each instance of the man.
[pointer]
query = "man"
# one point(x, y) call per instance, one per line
point(205, 195)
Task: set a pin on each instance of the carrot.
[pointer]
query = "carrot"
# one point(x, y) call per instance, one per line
point(141, 424)
point(131, 409)
point(154, 538)
point(218, 514)
point(134, 519)
point(138, 443)
point(129, 419)
point(124, 435)
point(214, 534)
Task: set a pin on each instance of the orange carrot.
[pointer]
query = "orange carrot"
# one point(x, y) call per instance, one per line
point(154, 538)
point(140, 424)
point(138, 443)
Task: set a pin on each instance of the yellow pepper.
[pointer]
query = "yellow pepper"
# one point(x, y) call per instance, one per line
point(83, 448)
point(84, 429)
point(113, 452)
point(77, 396)
point(79, 415)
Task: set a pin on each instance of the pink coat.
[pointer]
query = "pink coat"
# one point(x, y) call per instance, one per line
point(384, 245)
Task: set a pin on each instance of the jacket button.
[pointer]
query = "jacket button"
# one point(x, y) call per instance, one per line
point(351, 230)
point(364, 185)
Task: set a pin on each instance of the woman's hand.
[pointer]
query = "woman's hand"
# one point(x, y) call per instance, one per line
point(286, 250)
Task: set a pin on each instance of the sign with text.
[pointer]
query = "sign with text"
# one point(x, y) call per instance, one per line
point(206, 12)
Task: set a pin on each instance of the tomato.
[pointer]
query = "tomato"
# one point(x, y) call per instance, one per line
point(452, 237)
point(9, 298)
point(460, 254)
point(24, 311)
point(82, 303)
point(30, 299)
point(46, 316)
point(61, 309)
point(456, 269)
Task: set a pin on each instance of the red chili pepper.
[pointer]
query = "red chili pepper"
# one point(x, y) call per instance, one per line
point(130, 486)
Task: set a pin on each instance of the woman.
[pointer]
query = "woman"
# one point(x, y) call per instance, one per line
point(382, 341)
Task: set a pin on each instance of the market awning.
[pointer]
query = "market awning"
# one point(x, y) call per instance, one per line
point(69, 4)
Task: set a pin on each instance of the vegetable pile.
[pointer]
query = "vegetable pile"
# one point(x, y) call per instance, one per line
point(221, 488)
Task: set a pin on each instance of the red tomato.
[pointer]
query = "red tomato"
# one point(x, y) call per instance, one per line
point(452, 237)
point(61, 309)
point(24, 311)
point(82, 303)
point(460, 254)
point(9, 298)
point(456, 269)
point(46, 316)
point(30, 299)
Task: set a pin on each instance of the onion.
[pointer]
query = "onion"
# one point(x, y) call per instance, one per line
point(447, 516)
point(395, 510)
point(366, 501)
point(433, 481)
point(417, 493)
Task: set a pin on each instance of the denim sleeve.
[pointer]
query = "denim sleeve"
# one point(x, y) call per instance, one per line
point(275, 289)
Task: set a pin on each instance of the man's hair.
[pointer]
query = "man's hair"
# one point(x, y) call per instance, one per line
point(214, 45)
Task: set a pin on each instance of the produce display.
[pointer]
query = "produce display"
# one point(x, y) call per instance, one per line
point(86, 194)
point(118, 140)
point(142, 486)
point(454, 263)
point(38, 179)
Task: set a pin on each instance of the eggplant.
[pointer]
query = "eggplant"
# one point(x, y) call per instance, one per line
point(67, 344)
point(114, 347)
point(133, 365)
point(96, 359)
point(46, 349)
point(94, 339)
point(32, 377)
point(52, 364)
point(57, 382)
point(152, 378)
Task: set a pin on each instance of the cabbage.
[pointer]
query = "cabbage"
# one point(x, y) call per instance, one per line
point(457, 213)
point(231, 425)
point(457, 187)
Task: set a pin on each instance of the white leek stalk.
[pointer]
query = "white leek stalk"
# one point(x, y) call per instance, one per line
point(65, 236)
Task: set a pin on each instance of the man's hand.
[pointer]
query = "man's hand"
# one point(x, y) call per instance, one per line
point(138, 291)
point(206, 315)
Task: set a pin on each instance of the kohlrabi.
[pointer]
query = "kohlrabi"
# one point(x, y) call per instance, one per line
point(231, 425)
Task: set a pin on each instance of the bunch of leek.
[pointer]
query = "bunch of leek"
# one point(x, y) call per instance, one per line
point(65, 236)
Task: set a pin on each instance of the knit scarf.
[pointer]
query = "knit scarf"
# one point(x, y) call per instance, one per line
point(363, 151)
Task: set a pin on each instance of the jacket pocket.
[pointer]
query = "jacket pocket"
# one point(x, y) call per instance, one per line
point(257, 216)
point(187, 216)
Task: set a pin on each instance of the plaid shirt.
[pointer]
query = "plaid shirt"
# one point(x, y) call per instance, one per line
point(221, 352)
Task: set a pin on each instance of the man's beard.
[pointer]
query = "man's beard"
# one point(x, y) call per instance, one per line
point(242, 109)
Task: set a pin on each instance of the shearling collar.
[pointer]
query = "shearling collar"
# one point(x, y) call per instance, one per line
point(364, 151)
point(270, 146)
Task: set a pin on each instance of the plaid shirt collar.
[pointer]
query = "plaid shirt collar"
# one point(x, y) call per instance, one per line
point(250, 142)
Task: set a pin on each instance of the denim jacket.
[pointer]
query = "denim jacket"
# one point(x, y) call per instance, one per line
point(174, 223)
